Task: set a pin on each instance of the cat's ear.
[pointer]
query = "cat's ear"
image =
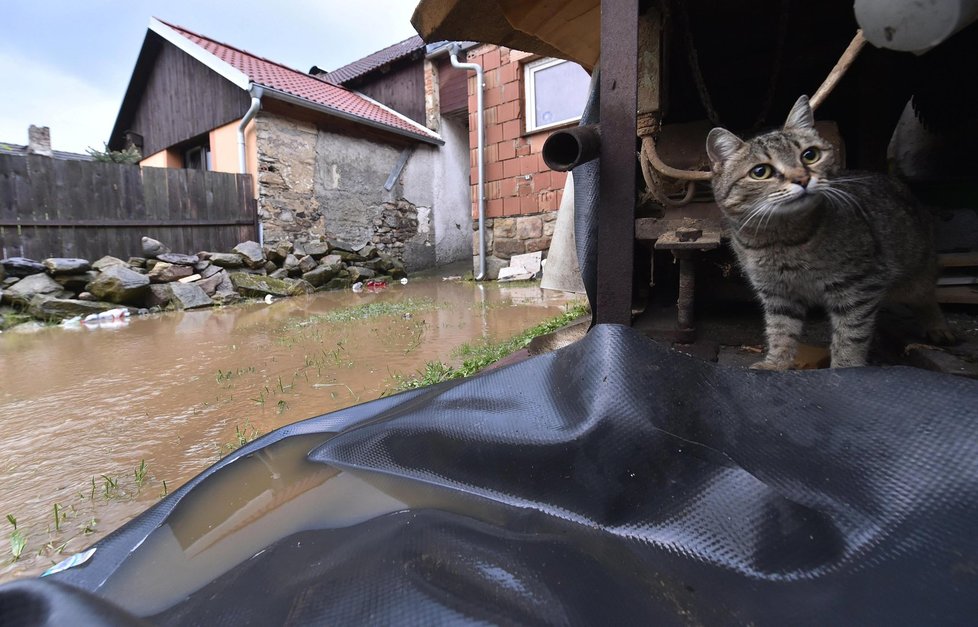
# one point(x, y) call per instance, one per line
point(721, 144)
point(800, 118)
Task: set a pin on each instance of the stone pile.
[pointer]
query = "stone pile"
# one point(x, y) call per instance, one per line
point(59, 288)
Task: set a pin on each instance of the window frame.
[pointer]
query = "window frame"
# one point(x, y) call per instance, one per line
point(529, 95)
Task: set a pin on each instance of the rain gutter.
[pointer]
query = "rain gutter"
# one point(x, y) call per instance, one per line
point(480, 158)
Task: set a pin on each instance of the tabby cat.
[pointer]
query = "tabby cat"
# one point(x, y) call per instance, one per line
point(807, 233)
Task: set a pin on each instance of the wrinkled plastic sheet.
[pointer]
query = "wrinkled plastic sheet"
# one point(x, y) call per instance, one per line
point(615, 481)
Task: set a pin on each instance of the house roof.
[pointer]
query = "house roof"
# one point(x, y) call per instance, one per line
point(7, 148)
point(376, 60)
point(278, 82)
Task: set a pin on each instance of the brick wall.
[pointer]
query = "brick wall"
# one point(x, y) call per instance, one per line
point(522, 193)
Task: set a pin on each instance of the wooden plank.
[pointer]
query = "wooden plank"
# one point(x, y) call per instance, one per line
point(959, 294)
point(958, 260)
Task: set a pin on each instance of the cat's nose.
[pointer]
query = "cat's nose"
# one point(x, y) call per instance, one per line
point(800, 178)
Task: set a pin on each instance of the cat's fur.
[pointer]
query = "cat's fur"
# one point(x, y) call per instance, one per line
point(809, 234)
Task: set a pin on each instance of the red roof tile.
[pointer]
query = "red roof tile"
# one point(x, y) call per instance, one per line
point(316, 90)
point(373, 61)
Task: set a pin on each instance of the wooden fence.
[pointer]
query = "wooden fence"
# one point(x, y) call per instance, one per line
point(60, 208)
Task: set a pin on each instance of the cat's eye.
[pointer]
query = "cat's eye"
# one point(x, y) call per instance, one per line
point(761, 172)
point(810, 155)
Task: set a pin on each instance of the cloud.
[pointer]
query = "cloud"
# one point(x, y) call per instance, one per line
point(79, 114)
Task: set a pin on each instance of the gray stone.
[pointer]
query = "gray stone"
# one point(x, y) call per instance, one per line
point(340, 245)
point(261, 286)
point(280, 273)
point(66, 265)
point(316, 249)
point(75, 282)
point(322, 275)
point(368, 252)
point(48, 308)
point(291, 263)
point(137, 262)
point(202, 265)
point(208, 271)
point(349, 257)
point(307, 263)
point(107, 262)
point(189, 296)
point(119, 284)
point(164, 272)
point(211, 283)
point(279, 251)
point(270, 267)
point(339, 283)
point(251, 253)
point(159, 295)
point(329, 260)
point(21, 266)
point(225, 285)
point(10, 280)
point(226, 260)
point(21, 292)
point(227, 298)
point(87, 296)
point(359, 273)
point(179, 260)
point(153, 248)
point(150, 264)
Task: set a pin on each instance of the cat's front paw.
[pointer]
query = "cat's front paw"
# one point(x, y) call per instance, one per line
point(942, 336)
point(770, 365)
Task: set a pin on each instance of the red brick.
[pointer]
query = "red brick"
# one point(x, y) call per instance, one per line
point(490, 60)
point(491, 78)
point(523, 149)
point(511, 167)
point(557, 180)
point(473, 104)
point(492, 152)
point(511, 206)
point(494, 171)
point(489, 116)
point(494, 208)
point(548, 201)
point(542, 181)
point(473, 175)
point(528, 205)
point(512, 129)
point(509, 73)
point(530, 164)
point(494, 189)
point(523, 187)
point(536, 141)
point(505, 150)
point(506, 112)
point(492, 97)
point(494, 134)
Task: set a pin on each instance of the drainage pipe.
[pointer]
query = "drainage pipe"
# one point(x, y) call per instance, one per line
point(480, 159)
point(256, 93)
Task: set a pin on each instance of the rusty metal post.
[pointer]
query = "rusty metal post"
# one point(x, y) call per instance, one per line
point(616, 201)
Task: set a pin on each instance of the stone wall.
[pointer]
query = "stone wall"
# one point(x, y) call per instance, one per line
point(314, 183)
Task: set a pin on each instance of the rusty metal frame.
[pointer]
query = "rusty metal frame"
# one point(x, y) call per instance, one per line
point(616, 199)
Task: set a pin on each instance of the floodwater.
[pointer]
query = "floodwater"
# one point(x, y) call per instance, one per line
point(99, 423)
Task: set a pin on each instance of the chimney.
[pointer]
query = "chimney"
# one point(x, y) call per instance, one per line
point(39, 141)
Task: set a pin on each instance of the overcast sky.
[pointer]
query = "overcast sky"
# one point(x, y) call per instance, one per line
point(66, 63)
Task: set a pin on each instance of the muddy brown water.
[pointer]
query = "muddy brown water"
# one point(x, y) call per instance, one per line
point(82, 408)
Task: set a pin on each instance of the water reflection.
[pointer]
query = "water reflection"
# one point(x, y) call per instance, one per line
point(82, 407)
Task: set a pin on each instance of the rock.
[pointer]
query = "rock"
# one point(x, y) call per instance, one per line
point(21, 292)
point(190, 279)
point(159, 295)
point(340, 245)
point(280, 273)
point(225, 285)
point(153, 248)
point(150, 264)
point(270, 267)
point(66, 265)
point(209, 270)
point(107, 262)
point(136, 262)
point(87, 296)
point(359, 273)
point(179, 260)
point(513, 274)
point(316, 249)
point(322, 275)
point(330, 259)
point(10, 280)
point(251, 253)
point(339, 283)
point(279, 251)
point(226, 260)
point(202, 265)
point(49, 308)
point(291, 264)
point(21, 266)
point(260, 286)
point(210, 284)
point(397, 270)
point(189, 296)
point(164, 272)
point(3, 273)
point(530, 262)
point(307, 263)
point(368, 252)
point(75, 282)
point(119, 284)
point(348, 256)
point(227, 298)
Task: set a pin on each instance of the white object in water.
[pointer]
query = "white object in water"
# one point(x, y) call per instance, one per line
point(358, 287)
point(71, 322)
point(269, 299)
point(404, 281)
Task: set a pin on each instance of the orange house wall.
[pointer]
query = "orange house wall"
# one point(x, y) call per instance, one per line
point(518, 182)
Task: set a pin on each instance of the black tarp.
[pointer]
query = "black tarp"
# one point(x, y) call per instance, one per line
point(615, 482)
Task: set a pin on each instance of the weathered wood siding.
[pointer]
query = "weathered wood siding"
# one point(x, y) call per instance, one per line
point(453, 90)
point(182, 99)
point(401, 89)
point(59, 208)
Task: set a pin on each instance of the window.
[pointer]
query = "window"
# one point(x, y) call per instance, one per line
point(197, 158)
point(556, 92)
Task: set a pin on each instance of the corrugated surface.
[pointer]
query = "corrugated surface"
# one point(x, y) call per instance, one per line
point(282, 78)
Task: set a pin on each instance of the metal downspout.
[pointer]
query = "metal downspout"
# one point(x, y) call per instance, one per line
point(480, 159)
point(256, 93)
